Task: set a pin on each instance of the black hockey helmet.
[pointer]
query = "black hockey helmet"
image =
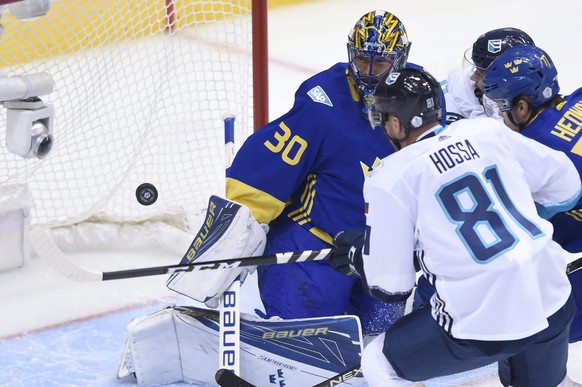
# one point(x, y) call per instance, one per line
point(491, 44)
point(412, 94)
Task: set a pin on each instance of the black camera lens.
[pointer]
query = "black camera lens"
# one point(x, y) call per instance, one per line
point(42, 140)
point(42, 145)
point(45, 146)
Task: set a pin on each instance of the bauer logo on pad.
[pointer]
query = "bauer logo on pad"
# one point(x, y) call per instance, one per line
point(318, 95)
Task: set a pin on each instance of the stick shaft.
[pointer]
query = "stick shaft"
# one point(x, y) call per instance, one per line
point(341, 377)
point(229, 316)
point(279, 258)
point(224, 378)
point(574, 265)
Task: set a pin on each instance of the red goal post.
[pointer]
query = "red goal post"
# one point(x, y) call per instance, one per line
point(141, 88)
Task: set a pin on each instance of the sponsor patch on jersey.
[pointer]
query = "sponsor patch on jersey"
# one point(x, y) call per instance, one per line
point(317, 94)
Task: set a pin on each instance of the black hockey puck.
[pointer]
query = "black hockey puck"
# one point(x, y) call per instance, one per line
point(146, 194)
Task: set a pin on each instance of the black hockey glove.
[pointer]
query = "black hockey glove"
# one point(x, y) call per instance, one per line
point(347, 256)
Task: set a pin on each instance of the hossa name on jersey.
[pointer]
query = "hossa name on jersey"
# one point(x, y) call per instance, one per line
point(452, 155)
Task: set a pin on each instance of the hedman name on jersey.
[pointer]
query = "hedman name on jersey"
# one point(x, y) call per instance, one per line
point(452, 155)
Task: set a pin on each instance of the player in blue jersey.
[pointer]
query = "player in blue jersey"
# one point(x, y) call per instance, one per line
point(303, 175)
point(523, 83)
point(461, 198)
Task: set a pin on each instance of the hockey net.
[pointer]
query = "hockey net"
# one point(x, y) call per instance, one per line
point(141, 91)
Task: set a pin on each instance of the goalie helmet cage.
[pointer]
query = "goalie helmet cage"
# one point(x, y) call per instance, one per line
point(141, 91)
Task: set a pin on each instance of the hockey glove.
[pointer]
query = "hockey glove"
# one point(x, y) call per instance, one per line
point(347, 256)
point(229, 231)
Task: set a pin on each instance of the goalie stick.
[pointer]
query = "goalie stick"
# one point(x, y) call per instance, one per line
point(229, 316)
point(225, 378)
point(62, 264)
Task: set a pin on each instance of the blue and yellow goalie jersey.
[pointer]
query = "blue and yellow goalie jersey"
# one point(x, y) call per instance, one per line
point(310, 164)
point(561, 128)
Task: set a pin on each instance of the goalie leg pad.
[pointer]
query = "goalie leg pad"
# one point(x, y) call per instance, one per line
point(181, 344)
point(229, 231)
point(152, 349)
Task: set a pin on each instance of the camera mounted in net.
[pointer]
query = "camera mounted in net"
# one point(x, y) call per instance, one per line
point(29, 120)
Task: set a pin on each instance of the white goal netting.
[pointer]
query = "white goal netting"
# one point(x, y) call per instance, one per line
point(141, 90)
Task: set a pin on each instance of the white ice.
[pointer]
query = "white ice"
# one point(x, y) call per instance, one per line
point(57, 332)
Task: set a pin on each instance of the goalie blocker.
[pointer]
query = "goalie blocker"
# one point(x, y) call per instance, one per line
point(301, 352)
point(229, 230)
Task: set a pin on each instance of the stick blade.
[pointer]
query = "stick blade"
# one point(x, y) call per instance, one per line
point(46, 249)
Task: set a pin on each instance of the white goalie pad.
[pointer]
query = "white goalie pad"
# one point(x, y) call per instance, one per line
point(181, 344)
point(229, 231)
point(155, 360)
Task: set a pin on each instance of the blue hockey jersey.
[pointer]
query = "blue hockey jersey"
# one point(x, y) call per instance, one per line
point(310, 164)
point(561, 128)
point(303, 174)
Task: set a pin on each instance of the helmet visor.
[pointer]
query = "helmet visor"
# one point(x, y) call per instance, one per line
point(468, 58)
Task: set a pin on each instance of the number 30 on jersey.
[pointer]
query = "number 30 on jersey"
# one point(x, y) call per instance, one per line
point(291, 147)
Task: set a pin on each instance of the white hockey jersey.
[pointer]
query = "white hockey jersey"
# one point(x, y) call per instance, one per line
point(460, 96)
point(462, 200)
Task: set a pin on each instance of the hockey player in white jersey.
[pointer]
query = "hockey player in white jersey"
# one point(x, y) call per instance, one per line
point(462, 200)
point(464, 94)
point(464, 85)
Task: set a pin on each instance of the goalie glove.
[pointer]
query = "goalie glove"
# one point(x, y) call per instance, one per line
point(347, 255)
point(229, 231)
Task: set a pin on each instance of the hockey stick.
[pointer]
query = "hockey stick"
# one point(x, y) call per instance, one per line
point(62, 264)
point(574, 265)
point(341, 377)
point(224, 378)
point(229, 305)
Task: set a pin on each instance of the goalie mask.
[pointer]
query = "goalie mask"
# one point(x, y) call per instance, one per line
point(377, 45)
point(413, 95)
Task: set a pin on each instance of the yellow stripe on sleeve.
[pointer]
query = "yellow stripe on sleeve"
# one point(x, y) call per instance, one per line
point(264, 207)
